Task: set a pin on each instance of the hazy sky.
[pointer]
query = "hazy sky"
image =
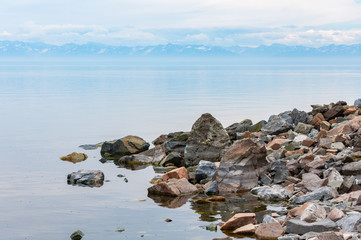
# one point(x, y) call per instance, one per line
point(210, 22)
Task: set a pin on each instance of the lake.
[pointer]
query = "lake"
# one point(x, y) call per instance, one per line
point(51, 106)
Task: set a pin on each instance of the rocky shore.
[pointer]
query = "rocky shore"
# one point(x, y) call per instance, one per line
point(309, 162)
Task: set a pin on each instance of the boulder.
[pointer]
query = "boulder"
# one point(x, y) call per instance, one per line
point(125, 146)
point(299, 117)
point(349, 222)
point(324, 193)
point(75, 157)
point(175, 146)
point(258, 126)
point(135, 159)
point(276, 143)
point(349, 127)
point(357, 103)
point(275, 192)
point(212, 189)
point(328, 236)
point(239, 220)
point(279, 171)
point(301, 227)
point(176, 173)
point(317, 119)
point(333, 112)
point(313, 213)
point(206, 141)
point(335, 214)
point(246, 229)
point(91, 178)
point(173, 187)
point(160, 140)
point(312, 182)
point(268, 219)
point(281, 123)
point(303, 128)
point(334, 179)
point(241, 166)
point(173, 159)
point(353, 168)
point(205, 170)
point(268, 231)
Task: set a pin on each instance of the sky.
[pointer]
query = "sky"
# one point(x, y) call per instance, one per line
point(311, 23)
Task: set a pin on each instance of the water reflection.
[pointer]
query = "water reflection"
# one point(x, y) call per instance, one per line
point(129, 166)
point(170, 202)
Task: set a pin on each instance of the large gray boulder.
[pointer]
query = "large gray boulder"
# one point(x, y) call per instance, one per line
point(279, 124)
point(323, 193)
point(349, 222)
point(357, 102)
point(206, 141)
point(205, 170)
point(275, 192)
point(241, 166)
point(125, 146)
point(301, 227)
point(299, 117)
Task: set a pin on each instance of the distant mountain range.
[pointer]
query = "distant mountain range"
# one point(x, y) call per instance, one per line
point(18, 49)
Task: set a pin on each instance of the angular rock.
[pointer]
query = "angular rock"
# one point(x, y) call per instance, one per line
point(313, 213)
point(241, 166)
point(312, 182)
point(349, 222)
point(239, 220)
point(268, 219)
point(206, 141)
point(325, 125)
point(339, 146)
point(302, 227)
point(328, 236)
point(160, 140)
point(212, 189)
point(135, 159)
point(91, 178)
point(357, 103)
point(349, 127)
point(275, 192)
point(324, 193)
point(279, 171)
point(276, 143)
point(205, 170)
point(258, 126)
point(334, 179)
point(75, 157)
point(77, 235)
point(353, 168)
point(268, 231)
point(335, 214)
point(174, 146)
point(247, 229)
point(173, 187)
point(333, 112)
point(281, 123)
point(299, 117)
point(176, 173)
point(303, 128)
point(125, 146)
point(290, 237)
point(173, 159)
point(317, 119)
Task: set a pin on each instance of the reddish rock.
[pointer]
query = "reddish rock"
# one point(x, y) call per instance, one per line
point(333, 112)
point(335, 215)
point(315, 164)
point(173, 187)
point(329, 236)
point(268, 231)
point(350, 110)
point(275, 144)
point(247, 229)
point(308, 142)
point(352, 126)
point(247, 134)
point(312, 182)
point(317, 119)
point(298, 151)
point(217, 199)
point(339, 138)
point(297, 211)
point(322, 134)
point(325, 142)
point(176, 173)
point(239, 220)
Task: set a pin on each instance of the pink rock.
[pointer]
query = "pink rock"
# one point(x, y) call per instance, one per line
point(336, 214)
point(239, 220)
point(176, 173)
point(269, 231)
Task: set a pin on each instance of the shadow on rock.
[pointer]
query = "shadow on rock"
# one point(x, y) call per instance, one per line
point(168, 201)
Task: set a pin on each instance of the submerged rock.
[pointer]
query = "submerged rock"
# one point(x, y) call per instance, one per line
point(241, 166)
point(77, 235)
point(91, 178)
point(125, 146)
point(206, 141)
point(75, 157)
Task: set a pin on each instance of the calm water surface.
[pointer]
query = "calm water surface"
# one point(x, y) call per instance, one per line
point(50, 107)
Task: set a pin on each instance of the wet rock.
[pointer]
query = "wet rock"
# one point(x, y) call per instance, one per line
point(173, 159)
point(212, 189)
point(303, 128)
point(269, 231)
point(176, 173)
point(75, 157)
point(125, 146)
point(135, 159)
point(324, 193)
point(173, 187)
point(313, 213)
point(281, 123)
point(333, 112)
point(91, 178)
point(275, 192)
point(239, 220)
point(279, 171)
point(241, 166)
point(335, 214)
point(353, 168)
point(349, 127)
point(205, 170)
point(301, 227)
point(206, 141)
point(77, 235)
point(349, 222)
point(357, 103)
point(246, 229)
